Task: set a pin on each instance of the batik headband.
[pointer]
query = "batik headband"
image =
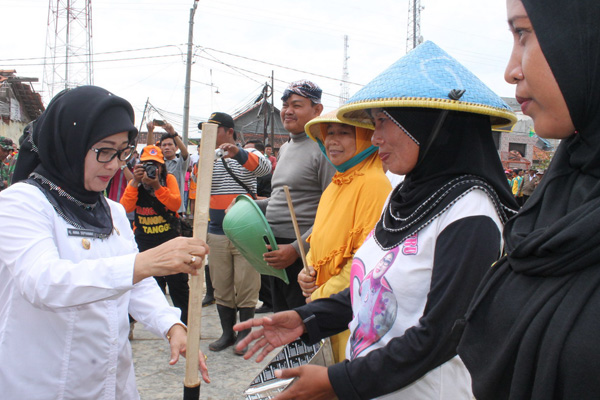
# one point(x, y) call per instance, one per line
point(303, 88)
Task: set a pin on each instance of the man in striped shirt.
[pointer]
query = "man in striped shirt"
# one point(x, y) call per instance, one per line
point(236, 283)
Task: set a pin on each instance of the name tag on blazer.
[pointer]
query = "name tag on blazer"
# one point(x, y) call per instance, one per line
point(86, 233)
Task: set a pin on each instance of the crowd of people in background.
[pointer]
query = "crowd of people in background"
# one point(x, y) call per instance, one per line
point(523, 183)
point(8, 160)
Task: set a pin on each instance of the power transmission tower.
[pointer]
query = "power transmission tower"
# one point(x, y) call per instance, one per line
point(69, 56)
point(344, 93)
point(413, 36)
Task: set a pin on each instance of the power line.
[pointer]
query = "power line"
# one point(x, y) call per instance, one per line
point(213, 58)
point(278, 80)
point(236, 69)
point(95, 54)
point(209, 57)
point(282, 67)
point(102, 61)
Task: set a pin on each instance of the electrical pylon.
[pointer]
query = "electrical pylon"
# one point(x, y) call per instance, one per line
point(344, 92)
point(413, 35)
point(69, 56)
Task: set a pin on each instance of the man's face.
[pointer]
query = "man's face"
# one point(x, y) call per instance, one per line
point(224, 135)
point(3, 154)
point(269, 151)
point(168, 148)
point(297, 111)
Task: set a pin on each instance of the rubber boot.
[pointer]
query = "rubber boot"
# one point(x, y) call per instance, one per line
point(209, 297)
point(131, 326)
point(245, 314)
point(264, 295)
point(227, 317)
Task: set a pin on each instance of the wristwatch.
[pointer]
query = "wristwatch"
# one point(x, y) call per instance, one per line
point(123, 167)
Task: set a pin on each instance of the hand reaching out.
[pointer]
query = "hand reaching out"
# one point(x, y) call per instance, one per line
point(284, 327)
point(277, 330)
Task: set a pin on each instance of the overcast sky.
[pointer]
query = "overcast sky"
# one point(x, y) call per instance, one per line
point(140, 46)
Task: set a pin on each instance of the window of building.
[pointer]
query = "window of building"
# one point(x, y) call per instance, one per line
point(520, 147)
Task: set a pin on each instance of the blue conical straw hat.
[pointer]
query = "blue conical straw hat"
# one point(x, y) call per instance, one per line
point(423, 78)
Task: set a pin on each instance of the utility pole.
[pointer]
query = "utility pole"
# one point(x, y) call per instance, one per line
point(345, 94)
point(143, 116)
point(188, 76)
point(413, 36)
point(266, 111)
point(272, 142)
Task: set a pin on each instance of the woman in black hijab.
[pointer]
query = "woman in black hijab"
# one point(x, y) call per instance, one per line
point(532, 329)
point(69, 269)
point(459, 158)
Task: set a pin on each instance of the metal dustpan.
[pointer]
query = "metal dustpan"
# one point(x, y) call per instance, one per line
point(267, 386)
point(248, 229)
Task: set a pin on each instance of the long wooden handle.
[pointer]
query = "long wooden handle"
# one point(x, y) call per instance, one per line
point(205, 171)
point(286, 189)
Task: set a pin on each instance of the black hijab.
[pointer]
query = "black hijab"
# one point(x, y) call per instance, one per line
point(461, 158)
point(53, 156)
point(533, 299)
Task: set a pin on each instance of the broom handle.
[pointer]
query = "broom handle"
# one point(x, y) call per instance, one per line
point(296, 229)
point(205, 171)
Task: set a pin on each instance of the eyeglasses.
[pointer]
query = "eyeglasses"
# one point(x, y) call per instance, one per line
point(106, 154)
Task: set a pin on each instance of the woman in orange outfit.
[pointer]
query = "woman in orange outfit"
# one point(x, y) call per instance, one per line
point(347, 212)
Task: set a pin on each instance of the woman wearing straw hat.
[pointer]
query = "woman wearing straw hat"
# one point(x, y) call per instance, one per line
point(70, 271)
point(348, 209)
point(532, 329)
point(439, 233)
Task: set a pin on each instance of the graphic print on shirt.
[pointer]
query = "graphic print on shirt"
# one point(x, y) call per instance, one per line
point(147, 219)
point(410, 246)
point(374, 302)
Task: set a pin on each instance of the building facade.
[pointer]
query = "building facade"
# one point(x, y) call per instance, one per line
point(19, 103)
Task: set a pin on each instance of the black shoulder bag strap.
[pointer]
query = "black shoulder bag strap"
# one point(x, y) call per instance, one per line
point(230, 172)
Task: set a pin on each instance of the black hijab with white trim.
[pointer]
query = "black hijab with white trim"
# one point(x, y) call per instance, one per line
point(531, 331)
point(53, 156)
point(461, 158)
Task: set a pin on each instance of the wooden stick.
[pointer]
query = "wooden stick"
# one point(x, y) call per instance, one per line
point(296, 229)
point(205, 171)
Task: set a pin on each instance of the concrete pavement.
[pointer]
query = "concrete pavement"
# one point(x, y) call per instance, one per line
point(157, 380)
